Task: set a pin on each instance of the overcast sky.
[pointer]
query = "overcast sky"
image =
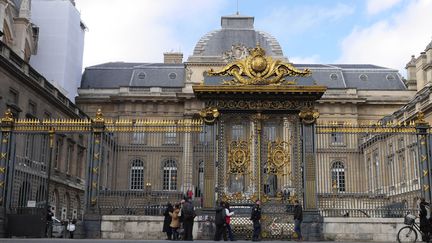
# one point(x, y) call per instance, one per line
point(381, 32)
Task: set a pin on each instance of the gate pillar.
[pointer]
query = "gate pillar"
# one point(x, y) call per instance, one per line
point(7, 123)
point(312, 221)
point(92, 217)
point(422, 128)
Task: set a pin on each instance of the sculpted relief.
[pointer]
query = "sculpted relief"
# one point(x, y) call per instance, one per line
point(238, 51)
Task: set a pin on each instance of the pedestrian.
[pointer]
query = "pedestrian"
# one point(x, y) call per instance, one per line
point(71, 226)
point(256, 217)
point(425, 219)
point(49, 222)
point(167, 221)
point(298, 218)
point(188, 213)
point(189, 194)
point(228, 214)
point(220, 222)
point(175, 222)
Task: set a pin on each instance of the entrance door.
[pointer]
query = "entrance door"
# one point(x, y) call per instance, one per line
point(260, 159)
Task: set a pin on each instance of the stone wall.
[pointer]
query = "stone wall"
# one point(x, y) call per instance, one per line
point(147, 227)
point(362, 229)
point(334, 229)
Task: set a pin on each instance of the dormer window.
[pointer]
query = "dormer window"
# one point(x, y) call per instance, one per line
point(363, 77)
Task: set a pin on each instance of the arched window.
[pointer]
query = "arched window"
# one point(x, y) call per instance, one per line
point(338, 176)
point(67, 206)
point(169, 175)
point(137, 175)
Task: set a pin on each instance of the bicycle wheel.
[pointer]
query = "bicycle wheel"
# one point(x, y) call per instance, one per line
point(407, 234)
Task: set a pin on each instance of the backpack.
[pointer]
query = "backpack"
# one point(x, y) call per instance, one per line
point(188, 211)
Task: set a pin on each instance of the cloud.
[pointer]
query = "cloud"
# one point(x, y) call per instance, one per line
point(392, 41)
point(305, 60)
point(377, 6)
point(140, 31)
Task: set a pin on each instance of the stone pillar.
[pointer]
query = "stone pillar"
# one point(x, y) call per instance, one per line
point(7, 123)
point(187, 160)
point(312, 221)
point(286, 136)
point(425, 166)
point(92, 217)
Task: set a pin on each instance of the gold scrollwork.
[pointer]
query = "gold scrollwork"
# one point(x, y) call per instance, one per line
point(209, 114)
point(238, 157)
point(420, 119)
point(309, 116)
point(99, 116)
point(278, 157)
point(259, 69)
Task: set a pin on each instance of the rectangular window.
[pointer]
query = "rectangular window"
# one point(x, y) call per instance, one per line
point(28, 148)
point(403, 167)
point(270, 133)
point(13, 96)
point(69, 153)
point(401, 143)
point(170, 138)
point(58, 152)
point(138, 138)
point(238, 132)
point(32, 108)
point(44, 150)
point(336, 138)
point(80, 161)
point(377, 169)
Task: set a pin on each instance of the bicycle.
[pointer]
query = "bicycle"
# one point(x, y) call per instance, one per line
point(409, 233)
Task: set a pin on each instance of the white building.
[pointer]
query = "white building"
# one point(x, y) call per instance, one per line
point(61, 43)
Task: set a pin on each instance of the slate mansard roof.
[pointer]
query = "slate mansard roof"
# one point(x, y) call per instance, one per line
point(120, 74)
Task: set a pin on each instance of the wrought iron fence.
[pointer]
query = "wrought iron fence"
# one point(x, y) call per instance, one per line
point(367, 170)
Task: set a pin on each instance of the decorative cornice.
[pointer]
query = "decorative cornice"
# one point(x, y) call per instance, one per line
point(254, 89)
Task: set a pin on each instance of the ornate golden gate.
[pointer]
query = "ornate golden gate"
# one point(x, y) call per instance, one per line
point(264, 126)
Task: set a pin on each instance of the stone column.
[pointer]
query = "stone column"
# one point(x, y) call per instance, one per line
point(286, 136)
point(312, 221)
point(425, 165)
point(7, 123)
point(187, 160)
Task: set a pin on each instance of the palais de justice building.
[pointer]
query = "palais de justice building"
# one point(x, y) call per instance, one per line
point(356, 93)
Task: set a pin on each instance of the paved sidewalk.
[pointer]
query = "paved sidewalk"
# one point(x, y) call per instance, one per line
point(143, 241)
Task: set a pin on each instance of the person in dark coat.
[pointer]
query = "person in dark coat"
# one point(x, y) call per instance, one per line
point(425, 219)
point(220, 222)
point(256, 217)
point(188, 213)
point(167, 221)
point(298, 218)
point(49, 222)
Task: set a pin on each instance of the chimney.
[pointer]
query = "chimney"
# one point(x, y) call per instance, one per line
point(173, 57)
